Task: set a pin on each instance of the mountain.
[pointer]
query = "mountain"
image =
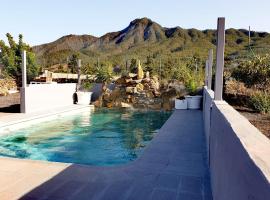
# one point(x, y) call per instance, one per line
point(143, 37)
point(69, 42)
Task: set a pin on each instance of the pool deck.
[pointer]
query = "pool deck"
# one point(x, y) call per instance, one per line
point(173, 166)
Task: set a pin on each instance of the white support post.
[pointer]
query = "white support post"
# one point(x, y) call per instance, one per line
point(24, 76)
point(206, 73)
point(210, 65)
point(220, 59)
point(24, 84)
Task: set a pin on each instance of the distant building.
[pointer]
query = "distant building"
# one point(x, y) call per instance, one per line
point(48, 77)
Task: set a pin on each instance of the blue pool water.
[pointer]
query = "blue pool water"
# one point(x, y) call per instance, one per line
point(100, 137)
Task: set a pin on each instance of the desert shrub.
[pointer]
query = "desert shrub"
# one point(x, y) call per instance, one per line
point(124, 73)
point(260, 101)
point(192, 87)
point(254, 72)
point(235, 87)
point(133, 65)
point(5, 85)
point(182, 73)
point(104, 74)
point(86, 85)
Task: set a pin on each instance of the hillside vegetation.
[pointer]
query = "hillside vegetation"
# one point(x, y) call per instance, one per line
point(151, 43)
point(169, 53)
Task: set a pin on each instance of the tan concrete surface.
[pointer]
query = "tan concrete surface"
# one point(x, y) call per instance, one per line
point(17, 177)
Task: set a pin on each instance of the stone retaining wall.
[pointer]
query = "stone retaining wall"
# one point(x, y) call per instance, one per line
point(9, 100)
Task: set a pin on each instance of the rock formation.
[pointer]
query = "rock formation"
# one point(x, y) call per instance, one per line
point(134, 90)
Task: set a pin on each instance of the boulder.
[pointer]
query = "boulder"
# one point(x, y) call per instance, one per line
point(121, 81)
point(136, 81)
point(117, 102)
point(156, 106)
point(139, 87)
point(133, 100)
point(169, 93)
point(104, 87)
point(146, 86)
point(157, 93)
point(146, 80)
point(132, 75)
point(124, 81)
point(167, 106)
point(106, 96)
point(149, 94)
point(129, 80)
point(97, 103)
point(131, 90)
point(109, 105)
point(115, 94)
point(125, 105)
point(154, 84)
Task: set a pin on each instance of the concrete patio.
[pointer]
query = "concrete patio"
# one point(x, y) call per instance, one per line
point(173, 166)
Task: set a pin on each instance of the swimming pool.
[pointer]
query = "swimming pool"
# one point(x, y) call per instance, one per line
point(101, 137)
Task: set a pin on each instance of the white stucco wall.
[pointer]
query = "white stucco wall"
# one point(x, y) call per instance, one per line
point(207, 106)
point(46, 96)
point(239, 155)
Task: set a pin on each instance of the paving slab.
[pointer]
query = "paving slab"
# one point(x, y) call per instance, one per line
point(173, 166)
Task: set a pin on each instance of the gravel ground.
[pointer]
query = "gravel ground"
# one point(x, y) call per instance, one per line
point(261, 121)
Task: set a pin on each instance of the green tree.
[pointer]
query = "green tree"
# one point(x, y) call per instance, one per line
point(254, 72)
point(104, 74)
point(149, 64)
point(88, 68)
point(133, 65)
point(11, 58)
point(167, 69)
point(182, 73)
point(72, 63)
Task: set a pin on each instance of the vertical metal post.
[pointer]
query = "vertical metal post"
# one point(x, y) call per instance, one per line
point(160, 68)
point(23, 100)
point(249, 36)
point(79, 74)
point(24, 75)
point(220, 59)
point(210, 65)
point(206, 73)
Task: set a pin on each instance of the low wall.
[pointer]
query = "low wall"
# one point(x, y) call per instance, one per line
point(9, 100)
point(207, 106)
point(239, 154)
point(46, 96)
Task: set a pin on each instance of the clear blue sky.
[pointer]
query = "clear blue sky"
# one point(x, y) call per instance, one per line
point(42, 21)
